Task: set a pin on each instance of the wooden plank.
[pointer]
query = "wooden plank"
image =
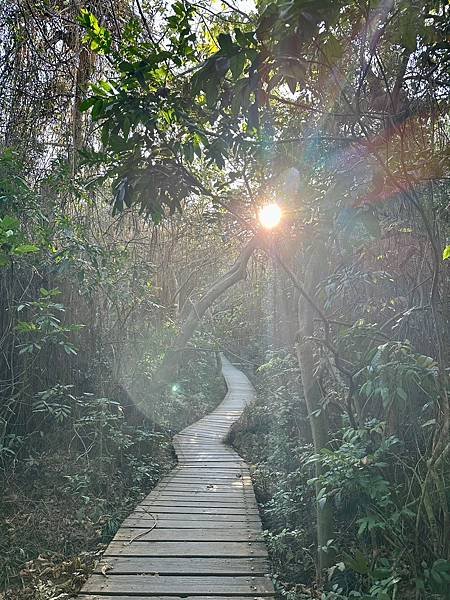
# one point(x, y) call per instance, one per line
point(187, 535)
point(198, 495)
point(237, 505)
point(191, 441)
point(207, 479)
point(215, 432)
point(182, 524)
point(209, 491)
point(207, 488)
point(183, 474)
point(208, 549)
point(213, 457)
point(194, 495)
point(202, 492)
point(145, 596)
point(192, 502)
point(215, 475)
point(199, 501)
point(184, 466)
point(203, 517)
point(199, 515)
point(203, 466)
point(182, 470)
point(192, 510)
point(179, 566)
point(206, 485)
point(225, 467)
point(186, 482)
point(234, 482)
point(209, 455)
point(210, 477)
point(195, 459)
point(166, 584)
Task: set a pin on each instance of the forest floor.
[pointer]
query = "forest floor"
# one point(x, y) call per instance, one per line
point(61, 520)
point(66, 494)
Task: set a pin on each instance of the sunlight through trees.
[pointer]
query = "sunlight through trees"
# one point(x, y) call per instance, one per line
point(265, 179)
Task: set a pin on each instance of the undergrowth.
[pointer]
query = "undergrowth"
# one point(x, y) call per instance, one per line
point(369, 477)
point(70, 483)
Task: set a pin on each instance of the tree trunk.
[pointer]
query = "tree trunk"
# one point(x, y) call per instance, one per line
point(316, 414)
point(168, 367)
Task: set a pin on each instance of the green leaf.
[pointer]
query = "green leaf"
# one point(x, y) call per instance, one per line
point(408, 30)
point(197, 81)
point(446, 253)
point(358, 563)
point(9, 223)
point(332, 49)
point(4, 260)
point(188, 151)
point(225, 42)
point(86, 104)
point(402, 394)
point(25, 249)
point(197, 146)
point(97, 109)
point(237, 63)
point(98, 38)
point(105, 135)
point(211, 89)
point(126, 124)
point(366, 389)
point(241, 38)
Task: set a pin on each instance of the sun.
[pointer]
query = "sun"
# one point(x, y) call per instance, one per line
point(269, 215)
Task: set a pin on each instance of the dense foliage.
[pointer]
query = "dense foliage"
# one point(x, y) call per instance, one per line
point(373, 480)
point(186, 118)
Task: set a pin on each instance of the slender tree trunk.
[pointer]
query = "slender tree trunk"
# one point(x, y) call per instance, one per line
point(169, 365)
point(316, 414)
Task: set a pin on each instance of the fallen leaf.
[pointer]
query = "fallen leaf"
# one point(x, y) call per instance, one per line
point(105, 569)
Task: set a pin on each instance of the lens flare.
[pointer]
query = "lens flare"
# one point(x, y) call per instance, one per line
point(269, 215)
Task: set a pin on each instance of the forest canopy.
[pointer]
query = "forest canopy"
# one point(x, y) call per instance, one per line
point(263, 179)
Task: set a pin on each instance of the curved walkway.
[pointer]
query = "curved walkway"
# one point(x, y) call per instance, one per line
point(198, 533)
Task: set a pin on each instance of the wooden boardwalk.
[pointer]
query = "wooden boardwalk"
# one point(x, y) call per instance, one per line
point(198, 533)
